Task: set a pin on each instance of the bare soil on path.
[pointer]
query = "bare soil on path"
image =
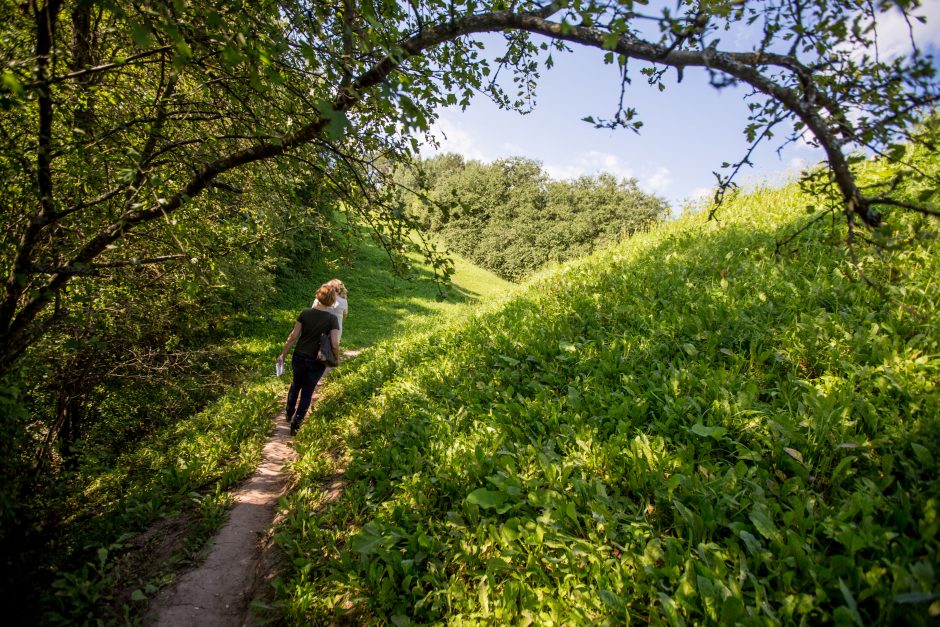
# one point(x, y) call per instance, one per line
point(241, 556)
point(218, 592)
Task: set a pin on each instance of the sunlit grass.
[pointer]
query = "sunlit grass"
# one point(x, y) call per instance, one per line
point(686, 427)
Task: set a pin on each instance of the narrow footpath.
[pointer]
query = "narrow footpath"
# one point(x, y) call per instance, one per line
point(219, 592)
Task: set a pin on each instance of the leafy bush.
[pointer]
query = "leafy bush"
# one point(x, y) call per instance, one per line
point(509, 217)
point(681, 428)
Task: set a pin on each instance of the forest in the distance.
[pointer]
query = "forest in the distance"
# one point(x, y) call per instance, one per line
point(511, 218)
point(673, 421)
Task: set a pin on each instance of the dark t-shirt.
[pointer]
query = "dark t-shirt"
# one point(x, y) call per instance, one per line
point(314, 323)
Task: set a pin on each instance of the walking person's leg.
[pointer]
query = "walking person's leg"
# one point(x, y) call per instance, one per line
point(312, 371)
point(296, 364)
point(291, 400)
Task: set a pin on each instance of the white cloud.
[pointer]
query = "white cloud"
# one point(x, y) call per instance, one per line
point(702, 192)
point(589, 163)
point(451, 138)
point(562, 172)
point(894, 34)
point(806, 141)
point(796, 165)
point(658, 182)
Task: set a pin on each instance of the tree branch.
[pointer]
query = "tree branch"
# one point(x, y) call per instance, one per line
point(93, 269)
point(748, 67)
point(98, 69)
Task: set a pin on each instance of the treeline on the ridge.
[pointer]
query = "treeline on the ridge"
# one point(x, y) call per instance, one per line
point(511, 218)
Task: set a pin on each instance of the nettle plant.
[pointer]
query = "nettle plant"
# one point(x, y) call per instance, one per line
point(122, 118)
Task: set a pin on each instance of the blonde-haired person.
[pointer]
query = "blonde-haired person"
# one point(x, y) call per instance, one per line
point(310, 325)
point(340, 307)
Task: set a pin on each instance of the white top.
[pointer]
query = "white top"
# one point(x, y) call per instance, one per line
point(338, 309)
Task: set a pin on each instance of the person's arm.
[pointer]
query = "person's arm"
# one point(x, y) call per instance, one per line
point(334, 339)
point(294, 334)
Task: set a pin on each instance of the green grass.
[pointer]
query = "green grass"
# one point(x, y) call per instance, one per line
point(188, 466)
point(383, 305)
point(681, 429)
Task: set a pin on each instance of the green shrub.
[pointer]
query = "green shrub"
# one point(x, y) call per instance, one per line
point(509, 218)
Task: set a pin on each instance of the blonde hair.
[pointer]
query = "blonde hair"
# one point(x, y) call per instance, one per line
point(326, 295)
point(337, 285)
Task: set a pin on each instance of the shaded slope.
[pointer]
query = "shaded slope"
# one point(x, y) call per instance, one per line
point(682, 427)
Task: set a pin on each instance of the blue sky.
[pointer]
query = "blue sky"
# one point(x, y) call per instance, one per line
point(689, 129)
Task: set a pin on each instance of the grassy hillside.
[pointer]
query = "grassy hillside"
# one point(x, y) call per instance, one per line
point(684, 428)
point(189, 466)
point(382, 305)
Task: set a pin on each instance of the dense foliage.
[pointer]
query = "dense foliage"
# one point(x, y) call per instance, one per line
point(121, 275)
point(153, 150)
point(686, 427)
point(135, 351)
point(510, 218)
point(129, 514)
point(161, 158)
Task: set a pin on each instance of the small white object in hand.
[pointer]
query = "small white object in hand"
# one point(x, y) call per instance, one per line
point(279, 366)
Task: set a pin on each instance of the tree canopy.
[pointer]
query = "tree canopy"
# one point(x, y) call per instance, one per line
point(511, 218)
point(125, 122)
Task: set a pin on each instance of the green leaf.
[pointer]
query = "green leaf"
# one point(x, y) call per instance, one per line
point(214, 19)
point(337, 125)
point(923, 454)
point(12, 83)
point(138, 595)
point(372, 537)
point(497, 565)
point(183, 50)
point(850, 602)
point(795, 454)
point(753, 544)
point(708, 432)
point(915, 597)
point(763, 524)
point(612, 600)
point(487, 499)
point(231, 55)
point(140, 34)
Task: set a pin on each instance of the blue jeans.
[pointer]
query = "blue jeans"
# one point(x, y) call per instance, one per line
point(307, 372)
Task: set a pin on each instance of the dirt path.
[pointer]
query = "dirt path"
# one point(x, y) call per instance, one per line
point(219, 591)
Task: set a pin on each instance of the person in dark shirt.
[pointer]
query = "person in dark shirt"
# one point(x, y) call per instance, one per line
point(310, 325)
